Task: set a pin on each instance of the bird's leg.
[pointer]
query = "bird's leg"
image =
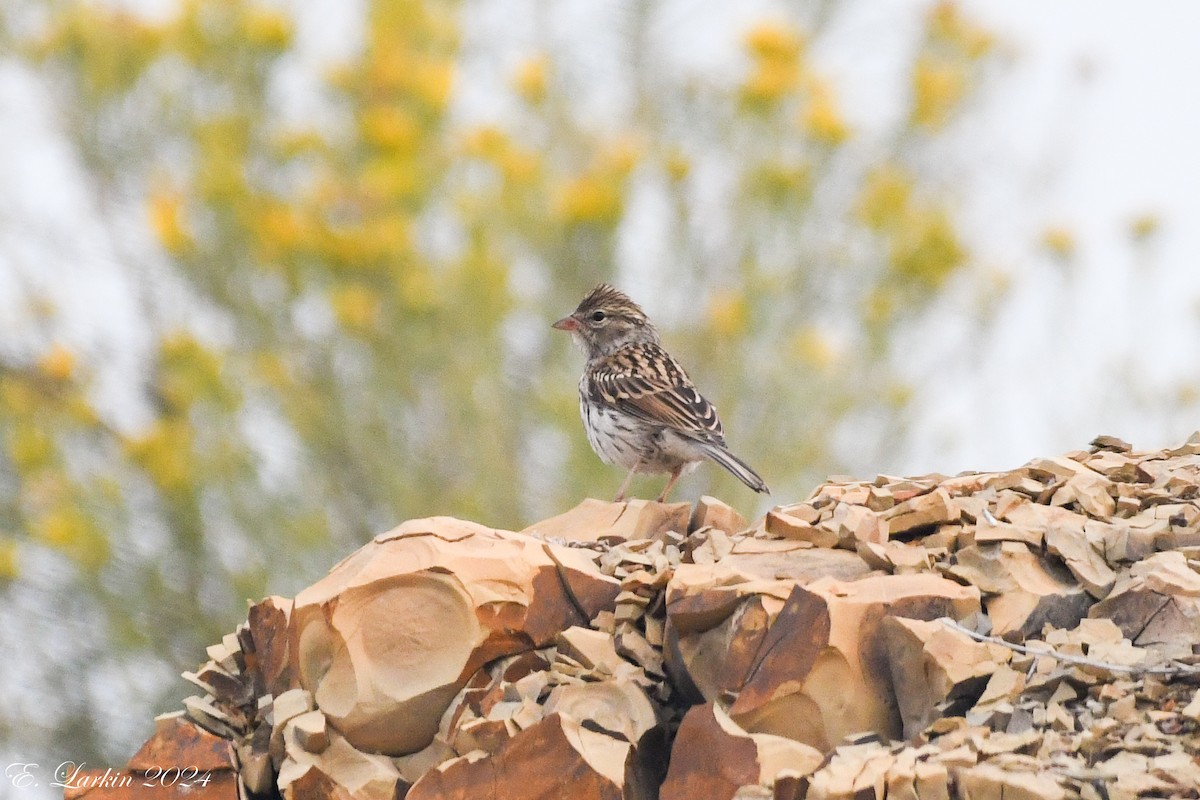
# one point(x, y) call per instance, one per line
point(625, 483)
point(675, 473)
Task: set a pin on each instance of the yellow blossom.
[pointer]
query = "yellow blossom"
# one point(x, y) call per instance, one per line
point(486, 142)
point(769, 83)
point(67, 529)
point(388, 236)
point(947, 25)
point(268, 28)
point(1059, 241)
point(1144, 226)
point(678, 165)
point(938, 86)
point(530, 79)
point(17, 395)
point(9, 567)
point(189, 372)
point(782, 181)
point(432, 81)
point(58, 364)
point(623, 155)
point(727, 313)
point(389, 127)
point(391, 178)
point(164, 452)
point(925, 249)
point(518, 166)
point(774, 41)
point(294, 143)
point(166, 218)
point(278, 230)
point(821, 117)
point(30, 447)
point(885, 197)
point(591, 197)
point(813, 348)
point(355, 306)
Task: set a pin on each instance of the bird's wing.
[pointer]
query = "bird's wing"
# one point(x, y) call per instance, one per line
point(646, 382)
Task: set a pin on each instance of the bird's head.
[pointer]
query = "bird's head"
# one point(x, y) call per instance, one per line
point(607, 320)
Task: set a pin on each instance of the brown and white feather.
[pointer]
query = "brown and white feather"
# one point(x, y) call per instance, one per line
point(640, 409)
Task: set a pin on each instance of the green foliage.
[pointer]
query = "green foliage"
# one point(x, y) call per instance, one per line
point(384, 359)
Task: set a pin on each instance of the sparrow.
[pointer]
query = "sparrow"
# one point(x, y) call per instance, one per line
point(640, 410)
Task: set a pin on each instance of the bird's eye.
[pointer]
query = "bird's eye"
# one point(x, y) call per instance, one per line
point(598, 316)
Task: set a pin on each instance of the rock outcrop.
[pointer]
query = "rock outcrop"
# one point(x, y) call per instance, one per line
point(1028, 633)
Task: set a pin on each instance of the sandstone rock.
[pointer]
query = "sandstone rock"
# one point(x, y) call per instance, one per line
point(713, 513)
point(633, 519)
point(339, 771)
point(370, 640)
point(536, 764)
point(931, 664)
point(922, 511)
point(822, 672)
point(712, 757)
point(178, 743)
point(1024, 590)
point(1158, 603)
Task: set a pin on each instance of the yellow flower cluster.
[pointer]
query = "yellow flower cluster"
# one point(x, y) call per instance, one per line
point(938, 85)
point(597, 195)
point(189, 372)
point(30, 447)
point(267, 28)
point(782, 181)
point(728, 313)
point(1059, 242)
point(821, 118)
point(530, 79)
point(1144, 226)
point(109, 47)
point(58, 364)
point(885, 198)
point(9, 566)
point(165, 453)
point(355, 306)
point(166, 219)
point(941, 73)
point(924, 247)
point(775, 49)
point(491, 144)
point(813, 348)
point(948, 26)
point(389, 127)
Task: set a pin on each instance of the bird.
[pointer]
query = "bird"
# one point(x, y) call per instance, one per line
point(640, 409)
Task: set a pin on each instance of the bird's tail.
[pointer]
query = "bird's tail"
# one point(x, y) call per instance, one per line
point(740, 469)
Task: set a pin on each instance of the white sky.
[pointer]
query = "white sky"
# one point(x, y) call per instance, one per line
point(1095, 124)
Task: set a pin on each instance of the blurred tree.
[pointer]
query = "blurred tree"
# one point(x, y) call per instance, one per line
point(350, 316)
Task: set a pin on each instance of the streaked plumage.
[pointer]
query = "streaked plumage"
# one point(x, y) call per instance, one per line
point(639, 408)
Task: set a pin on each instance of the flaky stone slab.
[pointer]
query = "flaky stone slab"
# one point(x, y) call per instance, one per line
point(822, 670)
point(386, 640)
point(632, 519)
point(713, 757)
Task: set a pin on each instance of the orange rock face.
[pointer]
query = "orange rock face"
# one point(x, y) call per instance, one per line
point(388, 638)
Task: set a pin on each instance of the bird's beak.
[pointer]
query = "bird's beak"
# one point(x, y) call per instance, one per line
point(566, 324)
